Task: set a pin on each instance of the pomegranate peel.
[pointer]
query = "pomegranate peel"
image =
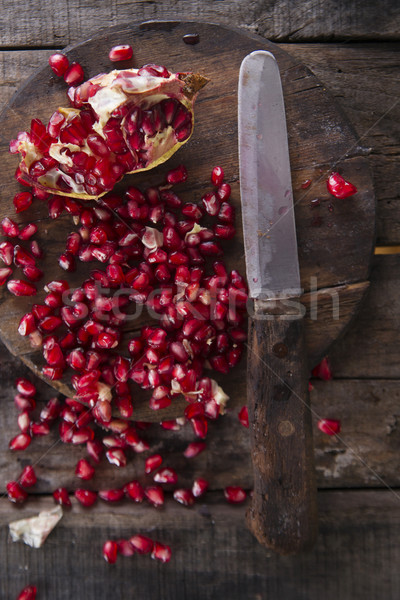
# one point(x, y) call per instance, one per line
point(121, 122)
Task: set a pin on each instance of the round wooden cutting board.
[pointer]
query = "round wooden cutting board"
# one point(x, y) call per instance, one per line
point(335, 237)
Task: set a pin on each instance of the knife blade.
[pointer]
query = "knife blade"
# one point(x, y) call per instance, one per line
point(283, 514)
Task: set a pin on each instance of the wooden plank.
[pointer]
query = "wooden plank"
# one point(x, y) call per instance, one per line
point(370, 348)
point(365, 453)
point(363, 79)
point(214, 555)
point(58, 24)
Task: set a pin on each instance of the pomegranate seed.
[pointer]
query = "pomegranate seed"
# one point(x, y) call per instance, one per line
point(155, 495)
point(10, 228)
point(84, 470)
point(28, 593)
point(161, 552)
point(24, 421)
point(22, 201)
point(125, 548)
point(152, 463)
point(199, 487)
point(36, 250)
point(21, 288)
point(306, 184)
point(51, 410)
point(329, 426)
point(166, 475)
point(225, 232)
point(123, 52)
point(244, 416)
point(74, 74)
point(25, 387)
point(224, 192)
point(61, 497)
point(211, 203)
point(234, 494)
point(86, 497)
point(110, 551)
point(20, 441)
point(38, 429)
point(134, 491)
point(15, 492)
point(116, 456)
point(141, 544)
point(200, 426)
point(184, 496)
point(217, 176)
point(24, 403)
point(28, 477)
point(339, 187)
point(323, 370)
point(194, 448)
point(7, 253)
point(114, 495)
point(59, 64)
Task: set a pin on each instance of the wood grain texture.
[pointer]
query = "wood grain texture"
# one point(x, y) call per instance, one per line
point(214, 556)
point(327, 235)
point(59, 23)
point(283, 513)
point(364, 455)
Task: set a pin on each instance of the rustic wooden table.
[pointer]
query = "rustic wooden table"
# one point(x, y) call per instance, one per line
point(354, 50)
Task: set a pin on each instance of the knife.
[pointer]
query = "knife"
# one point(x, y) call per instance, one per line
point(283, 513)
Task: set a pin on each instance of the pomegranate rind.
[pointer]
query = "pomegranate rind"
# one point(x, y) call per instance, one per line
point(115, 91)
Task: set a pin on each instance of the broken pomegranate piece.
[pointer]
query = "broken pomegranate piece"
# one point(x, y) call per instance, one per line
point(120, 122)
point(339, 187)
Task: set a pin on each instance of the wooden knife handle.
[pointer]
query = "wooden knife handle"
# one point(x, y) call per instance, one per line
point(283, 514)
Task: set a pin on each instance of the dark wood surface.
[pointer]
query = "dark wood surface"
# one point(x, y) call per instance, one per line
point(358, 550)
point(337, 252)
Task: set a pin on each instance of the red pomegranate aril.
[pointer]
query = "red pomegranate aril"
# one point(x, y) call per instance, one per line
point(134, 491)
point(122, 52)
point(85, 497)
point(199, 487)
point(20, 441)
point(110, 551)
point(177, 349)
point(15, 493)
point(224, 192)
point(166, 475)
point(61, 497)
point(116, 456)
point(113, 495)
point(142, 544)
point(10, 228)
point(39, 429)
point(177, 175)
point(24, 421)
point(84, 469)
point(32, 273)
point(155, 495)
point(25, 387)
point(193, 449)
point(28, 477)
point(225, 232)
point(234, 494)
point(27, 324)
point(161, 552)
point(200, 426)
point(339, 187)
point(211, 203)
point(329, 426)
point(7, 253)
point(51, 410)
point(323, 370)
point(152, 463)
point(28, 231)
point(24, 403)
point(18, 287)
point(28, 593)
point(22, 201)
point(243, 416)
point(74, 74)
point(217, 176)
point(184, 496)
point(36, 250)
point(59, 64)
point(95, 450)
point(125, 548)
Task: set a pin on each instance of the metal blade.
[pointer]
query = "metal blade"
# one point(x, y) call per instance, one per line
point(265, 182)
